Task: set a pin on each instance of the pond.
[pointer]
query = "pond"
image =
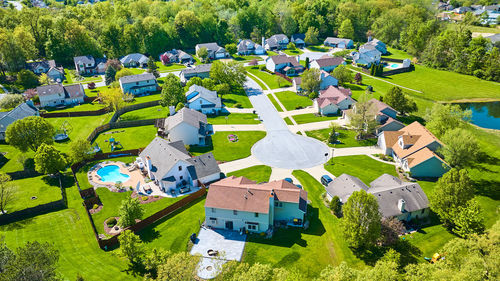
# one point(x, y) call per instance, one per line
point(484, 114)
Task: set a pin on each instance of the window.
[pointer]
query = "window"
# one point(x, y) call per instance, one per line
point(256, 215)
point(201, 101)
point(252, 227)
point(180, 168)
point(213, 210)
point(423, 210)
point(137, 83)
point(180, 177)
point(235, 212)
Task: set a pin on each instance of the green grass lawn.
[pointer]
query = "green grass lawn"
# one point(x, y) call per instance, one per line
point(295, 52)
point(46, 190)
point(234, 118)
point(154, 112)
point(288, 121)
point(307, 251)
point(239, 98)
point(170, 67)
point(9, 156)
point(292, 101)
point(318, 48)
point(130, 138)
point(89, 106)
point(346, 138)
point(271, 53)
point(311, 117)
point(275, 103)
point(361, 166)
point(473, 28)
point(270, 79)
point(246, 58)
point(259, 173)
point(224, 150)
point(72, 79)
point(397, 54)
point(136, 70)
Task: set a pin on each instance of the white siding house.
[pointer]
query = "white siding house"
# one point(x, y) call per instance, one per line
point(203, 100)
point(139, 84)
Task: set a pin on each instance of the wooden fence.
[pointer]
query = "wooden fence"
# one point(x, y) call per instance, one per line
point(101, 111)
point(123, 124)
point(133, 107)
point(283, 76)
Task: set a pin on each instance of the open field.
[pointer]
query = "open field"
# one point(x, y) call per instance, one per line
point(259, 173)
point(291, 100)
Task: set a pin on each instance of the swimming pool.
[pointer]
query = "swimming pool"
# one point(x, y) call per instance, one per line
point(394, 65)
point(111, 173)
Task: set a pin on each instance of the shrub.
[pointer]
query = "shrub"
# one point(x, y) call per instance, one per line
point(111, 222)
point(95, 206)
point(144, 198)
point(238, 105)
point(313, 95)
point(335, 206)
point(263, 67)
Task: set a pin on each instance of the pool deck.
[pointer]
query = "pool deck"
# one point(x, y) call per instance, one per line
point(135, 176)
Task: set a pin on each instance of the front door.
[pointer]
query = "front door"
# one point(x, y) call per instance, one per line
point(229, 225)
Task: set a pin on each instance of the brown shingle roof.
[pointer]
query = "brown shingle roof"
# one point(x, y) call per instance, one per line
point(279, 59)
point(421, 156)
point(329, 61)
point(415, 134)
point(391, 137)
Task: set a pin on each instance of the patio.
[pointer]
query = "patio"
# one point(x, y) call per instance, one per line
point(134, 175)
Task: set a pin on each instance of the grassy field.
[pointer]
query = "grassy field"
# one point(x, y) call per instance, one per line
point(259, 173)
point(275, 103)
point(246, 58)
point(311, 117)
point(346, 138)
point(308, 251)
point(224, 150)
point(291, 100)
point(235, 98)
point(130, 138)
point(88, 106)
point(170, 67)
point(271, 53)
point(154, 112)
point(234, 118)
point(397, 54)
point(270, 79)
point(45, 189)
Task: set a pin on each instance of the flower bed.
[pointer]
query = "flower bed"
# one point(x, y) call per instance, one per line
point(145, 199)
point(232, 138)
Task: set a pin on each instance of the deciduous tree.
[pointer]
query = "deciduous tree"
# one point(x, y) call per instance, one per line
point(131, 246)
point(11, 101)
point(113, 98)
point(109, 75)
point(49, 160)
point(346, 29)
point(80, 151)
point(202, 53)
point(310, 80)
point(152, 67)
point(343, 74)
point(461, 148)
point(469, 219)
point(122, 73)
point(361, 221)
point(231, 73)
point(29, 133)
point(399, 101)
point(231, 48)
point(172, 92)
point(27, 79)
point(442, 118)
point(312, 35)
point(178, 267)
point(7, 195)
point(130, 210)
point(362, 117)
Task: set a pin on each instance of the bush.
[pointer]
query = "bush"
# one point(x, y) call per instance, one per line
point(299, 107)
point(238, 105)
point(313, 95)
point(144, 198)
point(263, 67)
point(95, 206)
point(111, 222)
point(335, 206)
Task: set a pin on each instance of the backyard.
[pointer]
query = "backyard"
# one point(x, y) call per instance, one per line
point(292, 100)
point(346, 138)
point(233, 118)
point(170, 67)
point(153, 112)
point(31, 192)
point(361, 166)
point(130, 138)
point(72, 78)
point(259, 173)
point(295, 52)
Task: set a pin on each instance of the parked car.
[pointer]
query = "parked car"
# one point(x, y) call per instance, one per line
point(325, 180)
point(289, 180)
point(299, 186)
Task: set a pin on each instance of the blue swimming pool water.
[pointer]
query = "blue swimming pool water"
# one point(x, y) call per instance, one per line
point(112, 173)
point(394, 65)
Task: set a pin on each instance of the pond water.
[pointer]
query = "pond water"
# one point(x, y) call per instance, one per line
point(484, 114)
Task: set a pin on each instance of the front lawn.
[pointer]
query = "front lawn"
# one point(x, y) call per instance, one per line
point(295, 52)
point(136, 70)
point(311, 117)
point(44, 188)
point(246, 58)
point(275, 103)
point(170, 67)
point(346, 138)
point(234, 118)
point(224, 150)
point(237, 98)
point(318, 48)
point(130, 138)
point(270, 79)
point(361, 166)
point(154, 112)
point(259, 173)
point(292, 100)
point(271, 53)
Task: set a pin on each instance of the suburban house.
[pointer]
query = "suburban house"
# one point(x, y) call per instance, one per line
point(176, 56)
point(21, 111)
point(202, 99)
point(202, 71)
point(135, 60)
point(241, 204)
point(48, 67)
point(341, 43)
point(87, 65)
point(299, 39)
point(366, 58)
point(276, 42)
point(414, 149)
point(187, 125)
point(138, 84)
point(248, 47)
point(169, 165)
point(214, 50)
point(403, 200)
point(284, 64)
point(327, 63)
point(57, 94)
point(373, 44)
point(333, 100)
point(326, 80)
point(385, 115)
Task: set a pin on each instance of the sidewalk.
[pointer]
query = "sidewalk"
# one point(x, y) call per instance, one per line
point(316, 125)
point(239, 164)
point(306, 110)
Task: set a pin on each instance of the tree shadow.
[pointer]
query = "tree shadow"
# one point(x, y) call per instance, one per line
point(488, 188)
point(67, 180)
point(3, 160)
point(16, 225)
point(410, 119)
point(136, 269)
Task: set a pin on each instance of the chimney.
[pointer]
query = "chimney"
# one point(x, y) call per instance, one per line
point(150, 166)
point(298, 59)
point(263, 41)
point(401, 205)
point(171, 110)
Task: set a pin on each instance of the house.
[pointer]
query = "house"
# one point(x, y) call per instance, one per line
point(385, 115)
point(403, 200)
point(299, 39)
point(327, 63)
point(87, 65)
point(203, 100)
point(341, 43)
point(276, 42)
point(326, 80)
point(366, 58)
point(176, 56)
point(237, 203)
point(214, 50)
point(21, 111)
point(135, 60)
point(248, 47)
point(284, 64)
point(414, 150)
point(169, 166)
point(202, 71)
point(57, 94)
point(373, 44)
point(333, 100)
point(462, 10)
point(48, 67)
point(188, 126)
point(138, 84)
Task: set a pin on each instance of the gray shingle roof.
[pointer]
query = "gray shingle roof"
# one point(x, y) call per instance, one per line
point(198, 69)
point(334, 40)
point(389, 196)
point(214, 47)
point(19, 112)
point(84, 59)
point(164, 155)
point(296, 36)
point(186, 115)
point(386, 180)
point(344, 185)
point(45, 64)
point(74, 91)
point(204, 93)
point(137, 78)
point(48, 90)
point(205, 165)
point(136, 57)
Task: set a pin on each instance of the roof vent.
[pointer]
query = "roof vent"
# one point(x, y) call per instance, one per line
point(401, 205)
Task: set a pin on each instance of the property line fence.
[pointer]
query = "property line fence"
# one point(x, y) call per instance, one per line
point(101, 111)
point(133, 107)
point(117, 125)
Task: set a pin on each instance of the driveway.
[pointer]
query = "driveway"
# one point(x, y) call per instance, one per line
point(281, 148)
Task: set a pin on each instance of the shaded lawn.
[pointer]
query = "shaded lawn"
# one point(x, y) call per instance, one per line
point(93, 92)
point(292, 101)
point(259, 173)
point(270, 79)
point(308, 251)
point(46, 190)
point(9, 161)
point(275, 103)
point(318, 48)
point(224, 150)
point(246, 58)
point(136, 70)
point(88, 106)
point(311, 117)
point(361, 166)
point(295, 52)
point(154, 112)
point(170, 67)
point(346, 138)
point(130, 138)
point(234, 118)
point(235, 98)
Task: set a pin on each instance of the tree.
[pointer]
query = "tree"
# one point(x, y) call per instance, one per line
point(113, 98)
point(336, 206)
point(49, 160)
point(231, 48)
point(346, 29)
point(80, 151)
point(27, 79)
point(361, 221)
point(11, 101)
point(307, 63)
point(454, 190)
point(44, 79)
point(469, 219)
point(114, 63)
point(343, 74)
point(461, 148)
point(194, 81)
point(179, 106)
point(391, 228)
point(131, 246)
point(231, 73)
point(152, 67)
point(153, 260)
point(311, 80)
point(312, 35)
point(291, 46)
point(178, 267)
point(202, 53)
point(362, 117)
point(29, 133)
point(172, 92)
point(280, 80)
point(109, 75)
point(223, 89)
point(7, 192)
point(122, 73)
point(399, 101)
point(444, 117)
point(130, 210)
point(333, 134)
point(358, 78)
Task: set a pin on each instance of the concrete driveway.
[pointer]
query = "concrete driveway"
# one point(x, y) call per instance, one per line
point(281, 148)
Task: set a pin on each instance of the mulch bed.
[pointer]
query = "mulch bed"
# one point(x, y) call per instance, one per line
point(94, 211)
point(150, 198)
point(108, 229)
